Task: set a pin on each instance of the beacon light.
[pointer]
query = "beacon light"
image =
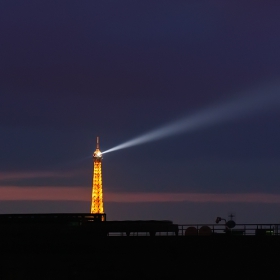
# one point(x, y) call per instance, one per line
point(97, 154)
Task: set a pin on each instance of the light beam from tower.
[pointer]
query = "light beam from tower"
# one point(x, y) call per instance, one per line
point(97, 192)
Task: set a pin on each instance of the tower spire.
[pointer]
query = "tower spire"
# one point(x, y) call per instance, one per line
point(97, 142)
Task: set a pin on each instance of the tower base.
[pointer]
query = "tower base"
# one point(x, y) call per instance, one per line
point(97, 217)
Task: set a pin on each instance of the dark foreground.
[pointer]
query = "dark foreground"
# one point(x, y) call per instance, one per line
point(82, 256)
point(76, 246)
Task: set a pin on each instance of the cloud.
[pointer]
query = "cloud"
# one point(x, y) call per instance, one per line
point(4, 176)
point(45, 193)
point(77, 193)
point(193, 197)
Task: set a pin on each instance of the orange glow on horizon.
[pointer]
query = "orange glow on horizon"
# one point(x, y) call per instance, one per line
point(52, 193)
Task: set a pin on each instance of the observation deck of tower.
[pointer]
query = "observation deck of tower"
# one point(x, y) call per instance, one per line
point(97, 192)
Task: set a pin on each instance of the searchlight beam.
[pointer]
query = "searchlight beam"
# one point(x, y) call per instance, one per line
point(258, 99)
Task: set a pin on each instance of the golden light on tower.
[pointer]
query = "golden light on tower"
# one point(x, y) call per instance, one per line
point(97, 192)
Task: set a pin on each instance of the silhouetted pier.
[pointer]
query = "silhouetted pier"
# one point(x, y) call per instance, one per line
point(97, 224)
point(76, 246)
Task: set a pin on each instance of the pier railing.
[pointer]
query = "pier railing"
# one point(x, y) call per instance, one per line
point(239, 229)
point(211, 229)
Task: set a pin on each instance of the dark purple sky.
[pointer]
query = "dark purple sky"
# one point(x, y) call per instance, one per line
point(74, 70)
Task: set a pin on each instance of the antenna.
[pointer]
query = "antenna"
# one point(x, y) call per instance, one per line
point(97, 142)
point(231, 215)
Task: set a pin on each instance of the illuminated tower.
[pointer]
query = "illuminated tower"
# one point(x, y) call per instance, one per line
point(97, 193)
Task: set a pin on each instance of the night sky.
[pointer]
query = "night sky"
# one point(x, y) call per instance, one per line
point(74, 70)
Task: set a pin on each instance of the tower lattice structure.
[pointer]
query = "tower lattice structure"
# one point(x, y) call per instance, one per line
point(97, 192)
